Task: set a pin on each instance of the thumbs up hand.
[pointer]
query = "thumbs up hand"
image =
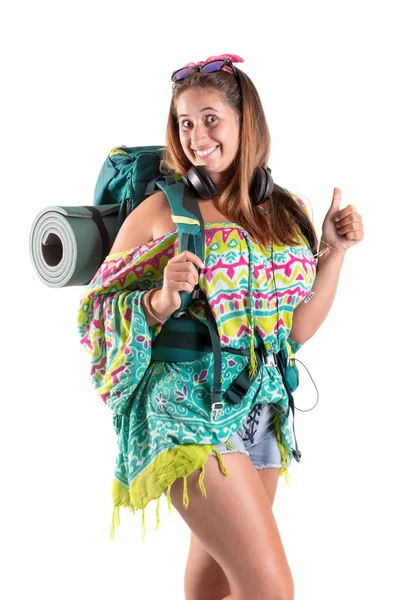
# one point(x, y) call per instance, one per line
point(342, 228)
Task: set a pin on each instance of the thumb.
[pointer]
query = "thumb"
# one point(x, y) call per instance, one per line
point(336, 200)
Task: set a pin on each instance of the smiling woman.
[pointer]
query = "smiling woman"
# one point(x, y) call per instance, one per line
point(211, 108)
point(177, 434)
point(208, 131)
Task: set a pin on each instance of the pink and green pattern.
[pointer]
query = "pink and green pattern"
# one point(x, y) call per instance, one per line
point(161, 411)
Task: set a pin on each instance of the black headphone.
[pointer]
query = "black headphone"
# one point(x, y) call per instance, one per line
point(201, 183)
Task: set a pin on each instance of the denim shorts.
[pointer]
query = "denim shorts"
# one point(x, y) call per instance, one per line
point(256, 438)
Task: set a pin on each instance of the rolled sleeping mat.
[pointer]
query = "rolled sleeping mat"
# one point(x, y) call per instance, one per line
point(67, 244)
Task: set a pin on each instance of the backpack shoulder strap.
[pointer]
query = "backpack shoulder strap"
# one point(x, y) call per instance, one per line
point(189, 223)
point(187, 217)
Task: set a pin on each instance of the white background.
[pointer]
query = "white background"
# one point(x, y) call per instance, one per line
point(80, 78)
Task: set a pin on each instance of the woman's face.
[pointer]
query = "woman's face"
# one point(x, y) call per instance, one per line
point(208, 130)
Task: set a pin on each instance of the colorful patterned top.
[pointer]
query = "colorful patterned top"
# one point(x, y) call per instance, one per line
point(162, 410)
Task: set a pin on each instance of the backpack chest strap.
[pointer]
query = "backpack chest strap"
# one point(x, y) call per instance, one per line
point(184, 339)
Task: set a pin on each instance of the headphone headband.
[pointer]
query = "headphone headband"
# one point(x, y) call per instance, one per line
point(201, 183)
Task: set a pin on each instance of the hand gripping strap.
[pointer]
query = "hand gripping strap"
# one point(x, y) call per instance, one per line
point(189, 224)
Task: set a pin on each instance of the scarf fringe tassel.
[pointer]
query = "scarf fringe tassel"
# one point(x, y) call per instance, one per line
point(185, 500)
point(253, 365)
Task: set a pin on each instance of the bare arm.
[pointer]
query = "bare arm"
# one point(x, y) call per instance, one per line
point(308, 318)
point(136, 230)
point(341, 229)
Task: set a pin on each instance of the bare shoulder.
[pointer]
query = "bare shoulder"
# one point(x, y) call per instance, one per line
point(140, 224)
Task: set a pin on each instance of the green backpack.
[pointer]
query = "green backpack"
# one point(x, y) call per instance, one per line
point(128, 176)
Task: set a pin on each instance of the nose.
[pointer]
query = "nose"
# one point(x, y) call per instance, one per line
point(199, 135)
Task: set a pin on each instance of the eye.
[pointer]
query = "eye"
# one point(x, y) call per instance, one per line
point(209, 119)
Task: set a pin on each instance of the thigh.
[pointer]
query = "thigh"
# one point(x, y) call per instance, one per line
point(204, 577)
point(269, 480)
point(236, 526)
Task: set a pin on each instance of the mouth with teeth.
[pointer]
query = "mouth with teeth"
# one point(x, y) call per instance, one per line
point(205, 153)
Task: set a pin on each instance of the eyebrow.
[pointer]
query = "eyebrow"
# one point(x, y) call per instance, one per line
point(202, 110)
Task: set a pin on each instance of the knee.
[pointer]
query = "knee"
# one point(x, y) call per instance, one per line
point(284, 594)
point(208, 584)
point(206, 591)
point(282, 590)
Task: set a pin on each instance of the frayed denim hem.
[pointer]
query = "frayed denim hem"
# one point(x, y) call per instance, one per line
point(268, 466)
point(230, 452)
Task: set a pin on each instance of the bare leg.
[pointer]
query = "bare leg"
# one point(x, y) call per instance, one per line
point(204, 578)
point(236, 526)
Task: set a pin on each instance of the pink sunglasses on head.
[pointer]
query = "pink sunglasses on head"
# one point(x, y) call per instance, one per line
point(208, 67)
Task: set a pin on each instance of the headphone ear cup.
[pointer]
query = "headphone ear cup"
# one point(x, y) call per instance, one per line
point(201, 183)
point(262, 186)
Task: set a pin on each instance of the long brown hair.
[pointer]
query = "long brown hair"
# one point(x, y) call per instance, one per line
point(279, 218)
